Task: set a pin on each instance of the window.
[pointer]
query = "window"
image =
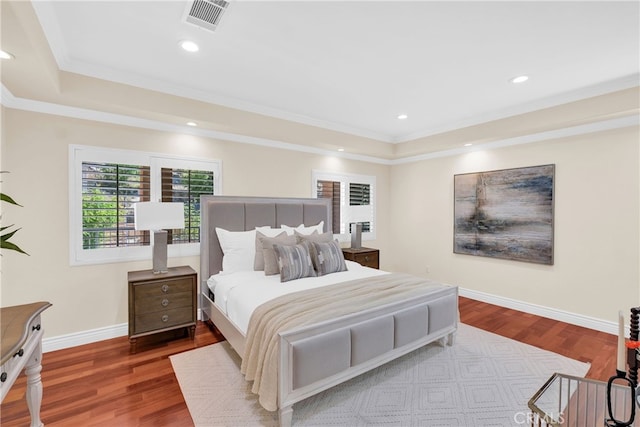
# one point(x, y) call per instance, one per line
point(360, 195)
point(109, 191)
point(353, 199)
point(186, 186)
point(104, 185)
point(331, 190)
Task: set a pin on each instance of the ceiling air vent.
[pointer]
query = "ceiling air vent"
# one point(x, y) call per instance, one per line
point(206, 13)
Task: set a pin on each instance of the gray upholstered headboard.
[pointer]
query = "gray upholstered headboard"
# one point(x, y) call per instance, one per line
point(246, 213)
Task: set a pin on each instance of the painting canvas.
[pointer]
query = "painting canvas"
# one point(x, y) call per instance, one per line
point(505, 214)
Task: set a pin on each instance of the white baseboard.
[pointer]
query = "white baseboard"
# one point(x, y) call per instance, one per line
point(84, 337)
point(88, 337)
point(95, 335)
point(551, 313)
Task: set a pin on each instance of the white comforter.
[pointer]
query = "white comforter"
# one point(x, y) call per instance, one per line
point(238, 294)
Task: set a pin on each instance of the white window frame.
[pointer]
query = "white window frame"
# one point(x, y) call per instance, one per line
point(156, 161)
point(348, 213)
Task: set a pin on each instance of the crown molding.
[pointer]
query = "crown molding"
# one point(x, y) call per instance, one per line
point(10, 101)
point(603, 125)
point(46, 16)
point(626, 82)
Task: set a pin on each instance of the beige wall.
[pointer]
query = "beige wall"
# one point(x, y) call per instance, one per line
point(596, 224)
point(35, 150)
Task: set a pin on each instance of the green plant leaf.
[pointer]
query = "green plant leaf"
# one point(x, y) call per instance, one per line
point(7, 236)
point(8, 199)
point(12, 247)
point(6, 244)
point(4, 238)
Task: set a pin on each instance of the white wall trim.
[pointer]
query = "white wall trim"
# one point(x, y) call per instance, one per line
point(50, 25)
point(120, 330)
point(87, 337)
point(49, 22)
point(622, 83)
point(10, 101)
point(84, 337)
point(603, 125)
point(606, 326)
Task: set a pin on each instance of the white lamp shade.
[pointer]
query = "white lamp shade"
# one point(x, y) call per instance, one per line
point(158, 215)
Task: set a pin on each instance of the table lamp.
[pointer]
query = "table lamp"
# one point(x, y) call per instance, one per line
point(158, 217)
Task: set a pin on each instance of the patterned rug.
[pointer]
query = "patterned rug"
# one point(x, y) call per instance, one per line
point(482, 380)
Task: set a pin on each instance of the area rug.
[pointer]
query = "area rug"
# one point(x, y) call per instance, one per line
point(482, 380)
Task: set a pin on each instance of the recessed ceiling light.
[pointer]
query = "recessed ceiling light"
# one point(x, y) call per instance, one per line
point(519, 79)
point(192, 124)
point(5, 55)
point(402, 116)
point(189, 46)
point(468, 144)
point(341, 149)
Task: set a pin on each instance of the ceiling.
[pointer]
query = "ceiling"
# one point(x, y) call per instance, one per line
point(355, 66)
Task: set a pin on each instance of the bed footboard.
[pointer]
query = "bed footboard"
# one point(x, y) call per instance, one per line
point(315, 358)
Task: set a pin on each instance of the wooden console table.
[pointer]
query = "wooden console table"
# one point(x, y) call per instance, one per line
point(21, 345)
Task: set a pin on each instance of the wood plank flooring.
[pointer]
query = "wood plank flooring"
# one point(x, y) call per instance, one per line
point(586, 345)
point(101, 384)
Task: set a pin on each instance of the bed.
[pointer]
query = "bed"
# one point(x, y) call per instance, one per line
point(353, 321)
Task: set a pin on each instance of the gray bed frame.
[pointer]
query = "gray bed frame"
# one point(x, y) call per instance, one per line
point(304, 352)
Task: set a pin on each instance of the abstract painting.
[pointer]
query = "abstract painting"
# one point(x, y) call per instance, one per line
point(505, 214)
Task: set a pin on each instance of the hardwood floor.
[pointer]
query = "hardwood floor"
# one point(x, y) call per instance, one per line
point(576, 342)
point(101, 384)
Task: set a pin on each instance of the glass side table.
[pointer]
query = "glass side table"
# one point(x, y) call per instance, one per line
point(565, 400)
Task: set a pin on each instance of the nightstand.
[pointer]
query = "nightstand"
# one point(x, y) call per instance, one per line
point(364, 256)
point(161, 302)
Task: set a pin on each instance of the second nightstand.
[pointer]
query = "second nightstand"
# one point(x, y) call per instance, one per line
point(161, 302)
point(364, 256)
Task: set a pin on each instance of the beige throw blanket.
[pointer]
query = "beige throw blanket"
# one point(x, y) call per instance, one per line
point(260, 359)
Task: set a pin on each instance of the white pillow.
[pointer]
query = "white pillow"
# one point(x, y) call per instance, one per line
point(304, 230)
point(239, 249)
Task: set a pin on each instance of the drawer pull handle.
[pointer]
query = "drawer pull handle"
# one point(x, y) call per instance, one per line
point(36, 327)
point(3, 377)
point(165, 302)
point(19, 353)
point(165, 318)
point(366, 258)
point(165, 288)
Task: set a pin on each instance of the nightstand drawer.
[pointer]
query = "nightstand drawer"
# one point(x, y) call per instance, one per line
point(363, 256)
point(163, 319)
point(368, 260)
point(163, 302)
point(161, 288)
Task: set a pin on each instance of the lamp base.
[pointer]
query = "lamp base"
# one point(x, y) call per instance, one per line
point(356, 235)
point(160, 252)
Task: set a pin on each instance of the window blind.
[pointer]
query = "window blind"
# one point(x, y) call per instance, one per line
point(108, 193)
point(331, 190)
point(186, 186)
point(359, 194)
